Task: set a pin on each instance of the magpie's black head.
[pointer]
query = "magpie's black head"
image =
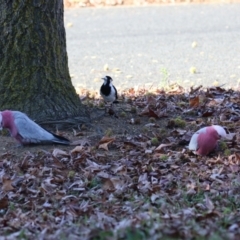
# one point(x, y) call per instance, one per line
point(107, 80)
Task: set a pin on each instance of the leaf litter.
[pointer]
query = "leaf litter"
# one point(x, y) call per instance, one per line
point(127, 179)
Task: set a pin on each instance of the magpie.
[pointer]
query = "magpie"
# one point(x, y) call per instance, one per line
point(108, 91)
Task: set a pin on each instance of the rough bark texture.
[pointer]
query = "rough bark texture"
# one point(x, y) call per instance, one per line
point(34, 75)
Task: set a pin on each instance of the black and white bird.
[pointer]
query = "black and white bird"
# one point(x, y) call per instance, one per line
point(108, 91)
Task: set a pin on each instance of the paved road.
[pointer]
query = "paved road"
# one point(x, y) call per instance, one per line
point(150, 44)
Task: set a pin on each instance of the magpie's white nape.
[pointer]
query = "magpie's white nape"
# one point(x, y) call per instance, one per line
point(108, 91)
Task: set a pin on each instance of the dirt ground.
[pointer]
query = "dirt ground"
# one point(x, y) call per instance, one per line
point(157, 117)
point(123, 124)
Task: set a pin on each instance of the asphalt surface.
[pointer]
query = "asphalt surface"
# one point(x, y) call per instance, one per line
point(154, 45)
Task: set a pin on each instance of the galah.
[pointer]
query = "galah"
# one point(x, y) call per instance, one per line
point(205, 140)
point(26, 131)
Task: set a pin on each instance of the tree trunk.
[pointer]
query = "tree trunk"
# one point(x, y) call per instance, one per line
point(34, 75)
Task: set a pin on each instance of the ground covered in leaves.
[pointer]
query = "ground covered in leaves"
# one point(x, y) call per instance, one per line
point(131, 175)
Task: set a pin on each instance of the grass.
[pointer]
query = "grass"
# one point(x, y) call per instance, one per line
point(165, 75)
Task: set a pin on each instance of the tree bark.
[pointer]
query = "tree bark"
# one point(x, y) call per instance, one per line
point(34, 75)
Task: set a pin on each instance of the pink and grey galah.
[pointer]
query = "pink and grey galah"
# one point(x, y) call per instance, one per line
point(204, 141)
point(26, 131)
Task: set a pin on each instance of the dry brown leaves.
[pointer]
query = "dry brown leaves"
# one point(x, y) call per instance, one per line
point(131, 187)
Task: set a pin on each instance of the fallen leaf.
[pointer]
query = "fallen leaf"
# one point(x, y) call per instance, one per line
point(77, 149)
point(69, 24)
point(106, 67)
point(209, 203)
point(81, 142)
point(161, 146)
point(194, 101)
point(59, 153)
point(4, 202)
point(7, 184)
point(194, 44)
point(104, 142)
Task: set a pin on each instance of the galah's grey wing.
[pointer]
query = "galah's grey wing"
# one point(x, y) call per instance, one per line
point(29, 130)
